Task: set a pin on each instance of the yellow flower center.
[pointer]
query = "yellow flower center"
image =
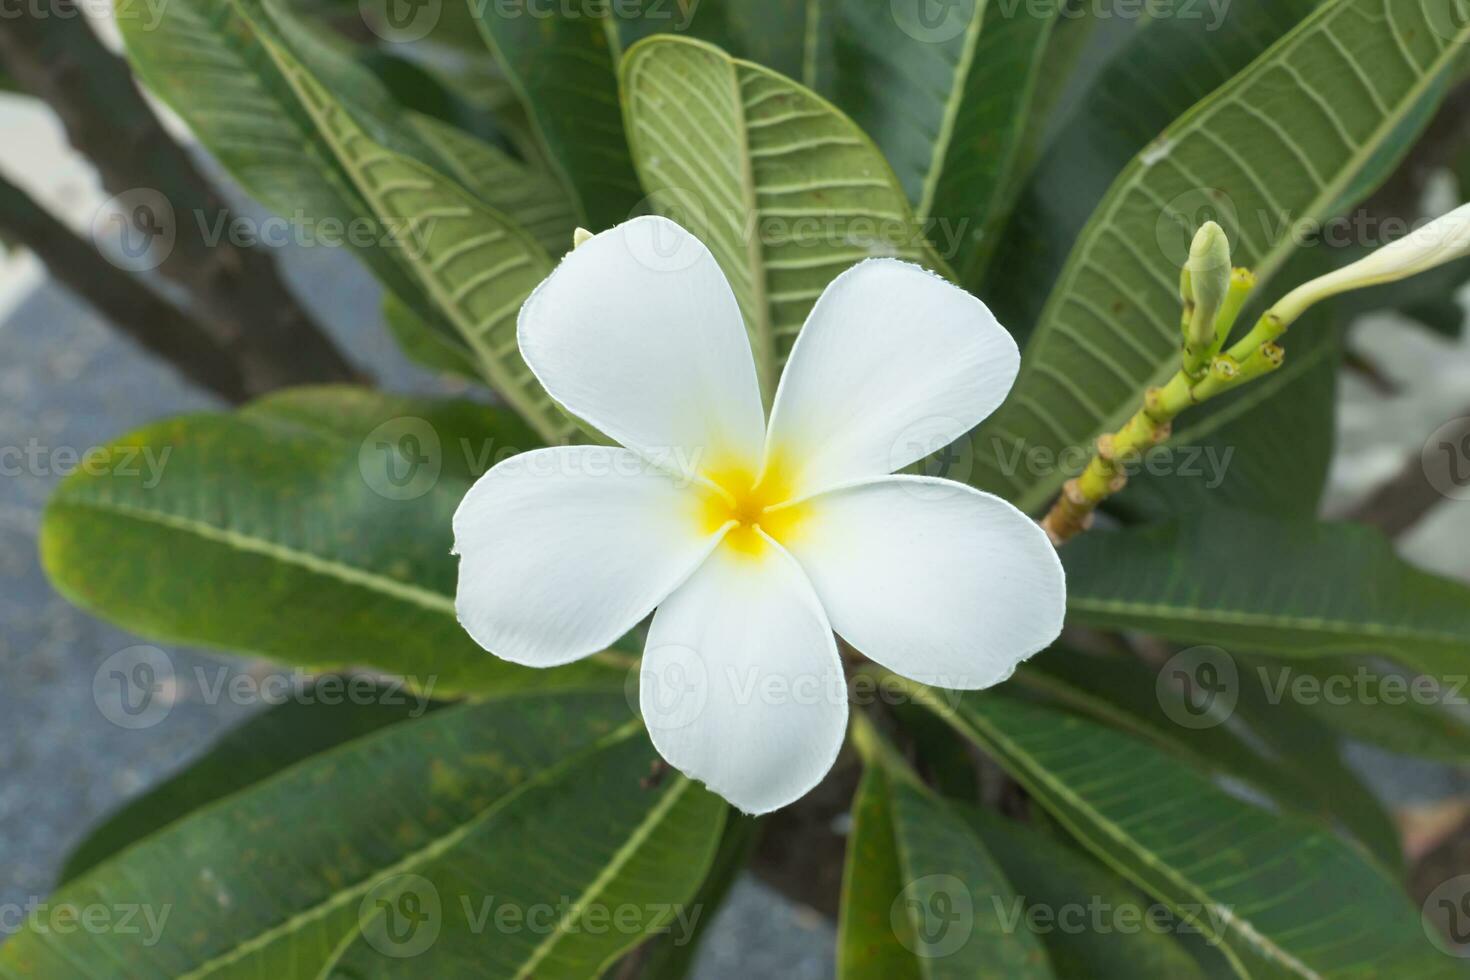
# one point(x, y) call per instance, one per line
point(754, 503)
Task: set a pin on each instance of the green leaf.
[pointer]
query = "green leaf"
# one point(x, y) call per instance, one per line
point(946, 100)
point(1080, 47)
point(1270, 745)
point(416, 87)
point(422, 343)
point(313, 527)
point(204, 59)
point(792, 37)
point(1134, 79)
point(670, 956)
point(250, 753)
point(454, 52)
point(529, 197)
point(334, 61)
point(411, 842)
point(1062, 887)
point(210, 60)
point(1252, 582)
point(941, 760)
point(476, 264)
point(1285, 139)
point(563, 68)
point(784, 189)
point(1281, 894)
point(1363, 700)
point(921, 897)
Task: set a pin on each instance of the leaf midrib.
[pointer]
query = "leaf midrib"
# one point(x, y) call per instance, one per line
point(236, 540)
point(765, 357)
point(1041, 783)
point(619, 860)
point(1239, 617)
point(959, 86)
point(322, 107)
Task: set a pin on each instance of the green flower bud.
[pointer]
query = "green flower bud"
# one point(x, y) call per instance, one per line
point(1209, 279)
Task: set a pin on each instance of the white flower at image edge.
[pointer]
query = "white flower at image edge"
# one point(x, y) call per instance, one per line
point(754, 541)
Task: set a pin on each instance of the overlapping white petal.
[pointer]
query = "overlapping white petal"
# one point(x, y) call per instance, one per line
point(564, 550)
point(932, 579)
point(638, 334)
point(741, 684)
point(893, 364)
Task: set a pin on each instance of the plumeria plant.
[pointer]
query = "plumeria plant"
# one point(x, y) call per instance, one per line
point(825, 498)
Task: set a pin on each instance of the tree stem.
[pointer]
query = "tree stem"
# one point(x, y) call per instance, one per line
point(132, 307)
point(235, 292)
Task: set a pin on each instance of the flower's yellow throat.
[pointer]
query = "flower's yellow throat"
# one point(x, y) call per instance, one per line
point(737, 495)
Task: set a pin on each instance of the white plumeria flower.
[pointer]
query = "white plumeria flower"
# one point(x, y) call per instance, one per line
point(754, 541)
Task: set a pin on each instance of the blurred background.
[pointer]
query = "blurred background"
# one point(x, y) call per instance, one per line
point(75, 370)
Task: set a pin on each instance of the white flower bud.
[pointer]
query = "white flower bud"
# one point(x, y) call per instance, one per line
point(1442, 240)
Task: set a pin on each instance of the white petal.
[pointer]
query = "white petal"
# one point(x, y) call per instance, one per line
point(741, 684)
point(931, 578)
point(638, 334)
point(564, 550)
point(893, 364)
